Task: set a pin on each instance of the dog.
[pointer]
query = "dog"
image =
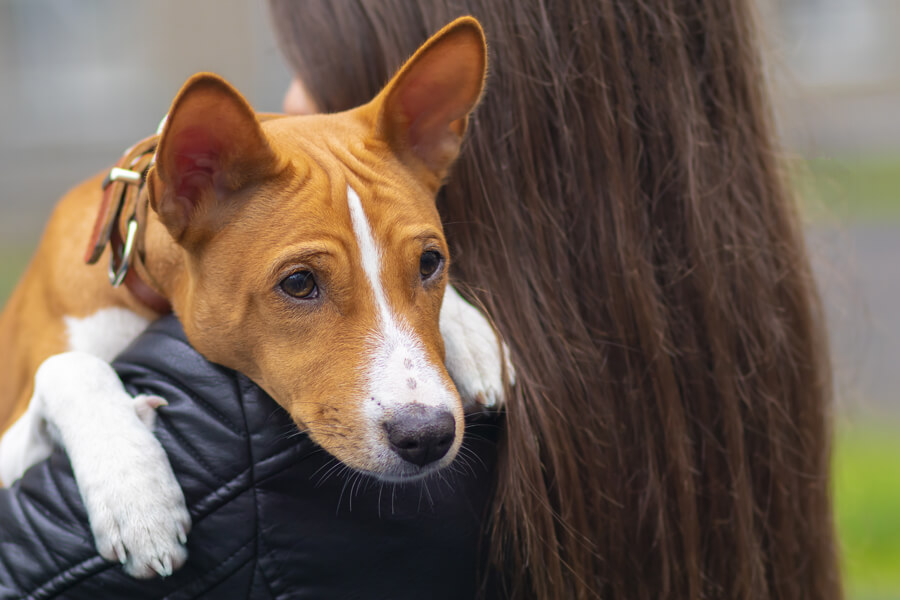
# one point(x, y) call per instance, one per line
point(305, 252)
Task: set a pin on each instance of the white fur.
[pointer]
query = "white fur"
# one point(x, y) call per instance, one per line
point(105, 333)
point(399, 373)
point(135, 506)
point(370, 255)
point(475, 356)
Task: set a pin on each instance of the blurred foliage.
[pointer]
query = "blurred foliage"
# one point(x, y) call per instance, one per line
point(849, 189)
point(867, 503)
point(12, 265)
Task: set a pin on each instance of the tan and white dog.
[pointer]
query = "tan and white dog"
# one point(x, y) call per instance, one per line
point(305, 252)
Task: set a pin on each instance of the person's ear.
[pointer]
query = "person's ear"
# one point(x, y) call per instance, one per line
point(212, 145)
point(423, 110)
point(297, 100)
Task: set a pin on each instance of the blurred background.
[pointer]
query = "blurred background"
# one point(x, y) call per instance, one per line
point(80, 80)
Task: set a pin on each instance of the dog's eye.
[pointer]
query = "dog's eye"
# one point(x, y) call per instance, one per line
point(429, 263)
point(301, 284)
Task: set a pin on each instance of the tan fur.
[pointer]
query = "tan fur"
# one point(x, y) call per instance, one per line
point(281, 204)
point(55, 284)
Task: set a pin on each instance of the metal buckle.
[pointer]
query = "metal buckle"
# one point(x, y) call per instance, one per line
point(117, 273)
point(119, 174)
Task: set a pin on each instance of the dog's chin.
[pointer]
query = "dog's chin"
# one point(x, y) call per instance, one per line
point(405, 473)
point(401, 471)
point(378, 461)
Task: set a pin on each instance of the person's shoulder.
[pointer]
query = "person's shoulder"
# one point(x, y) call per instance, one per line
point(263, 495)
point(210, 410)
point(163, 350)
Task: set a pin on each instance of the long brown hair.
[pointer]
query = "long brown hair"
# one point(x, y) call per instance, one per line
point(620, 211)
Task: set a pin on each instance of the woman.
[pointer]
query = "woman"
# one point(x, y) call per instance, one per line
point(620, 211)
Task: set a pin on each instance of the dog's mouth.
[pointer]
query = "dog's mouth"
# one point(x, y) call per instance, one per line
point(401, 445)
point(384, 464)
point(406, 473)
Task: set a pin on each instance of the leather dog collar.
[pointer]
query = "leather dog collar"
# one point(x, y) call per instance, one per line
point(122, 218)
point(120, 224)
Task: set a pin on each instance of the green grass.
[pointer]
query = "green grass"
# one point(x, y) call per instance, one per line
point(850, 189)
point(867, 505)
point(12, 265)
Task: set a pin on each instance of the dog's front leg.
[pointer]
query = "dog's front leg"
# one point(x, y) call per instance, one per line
point(475, 356)
point(24, 444)
point(135, 506)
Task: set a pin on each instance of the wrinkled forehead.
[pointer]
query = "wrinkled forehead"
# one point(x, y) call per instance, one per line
point(331, 154)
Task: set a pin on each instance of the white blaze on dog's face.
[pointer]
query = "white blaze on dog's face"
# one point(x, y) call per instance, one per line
point(407, 399)
point(314, 257)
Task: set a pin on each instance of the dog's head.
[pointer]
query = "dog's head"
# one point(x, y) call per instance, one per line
point(315, 261)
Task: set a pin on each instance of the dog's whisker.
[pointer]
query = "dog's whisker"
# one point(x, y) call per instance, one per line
point(380, 490)
point(335, 468)
point(358, 486)
point(428, 494)
point(353, 479)
point(329, 463)
point(463, 464)
point(321, 426)
point(347, 479)
point(458, 468)
point(340, 498)
point(463, 467)
point(362, 482)
point(447, 477)
point(471, 454)
point(393, 490)
point(476, 425)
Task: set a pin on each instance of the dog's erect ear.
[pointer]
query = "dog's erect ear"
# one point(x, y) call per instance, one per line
point(211, 146)
point(422, 112)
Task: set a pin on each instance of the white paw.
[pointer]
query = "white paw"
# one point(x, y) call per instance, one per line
point(135, 505)
point(475, 356)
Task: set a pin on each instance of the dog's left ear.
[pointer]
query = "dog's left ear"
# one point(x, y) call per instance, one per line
point(423, 110)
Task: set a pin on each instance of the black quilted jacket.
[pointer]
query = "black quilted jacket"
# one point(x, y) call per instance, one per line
point(266, 523)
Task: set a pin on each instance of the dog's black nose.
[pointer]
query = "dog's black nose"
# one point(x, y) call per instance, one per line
point(421, 434)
